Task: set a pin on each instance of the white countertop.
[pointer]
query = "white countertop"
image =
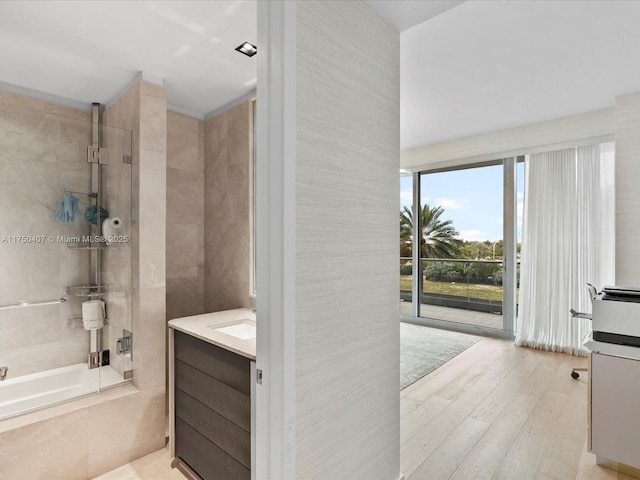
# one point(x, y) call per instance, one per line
point(203, 327)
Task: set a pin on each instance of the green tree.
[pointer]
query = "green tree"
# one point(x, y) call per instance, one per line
point(481, 250)
point(439, 238)
point(406, 232)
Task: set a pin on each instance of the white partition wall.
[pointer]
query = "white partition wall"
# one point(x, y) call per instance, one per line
point(347, 305)
point(627, 189)
point(328, 334)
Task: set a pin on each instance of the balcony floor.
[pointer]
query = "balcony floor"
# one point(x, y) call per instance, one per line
point(457, 315)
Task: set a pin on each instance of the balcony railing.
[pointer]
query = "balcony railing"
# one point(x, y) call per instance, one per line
point(456, 283)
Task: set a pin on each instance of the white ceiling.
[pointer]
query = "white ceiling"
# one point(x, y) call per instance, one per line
point(470, 68)
point(89, 51)
point(404, 14)
point(489, 65)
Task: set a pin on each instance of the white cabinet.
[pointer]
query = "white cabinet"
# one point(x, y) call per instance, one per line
point(615, 409)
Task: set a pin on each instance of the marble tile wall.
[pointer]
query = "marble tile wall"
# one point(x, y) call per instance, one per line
point(185, 216)
point(93, 440)
point(227, 146)
point(42, 153)
point(149, 238)
point(85, 443)
point(142, 110)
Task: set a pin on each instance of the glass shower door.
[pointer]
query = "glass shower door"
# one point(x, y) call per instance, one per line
point(48, 225)
point(116, 257)
point(44, 191)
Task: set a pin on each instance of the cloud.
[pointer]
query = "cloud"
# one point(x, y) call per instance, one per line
point(406, 197)
point(499, 221)
point(473, 235)
point(452, 203)
point(520, 195)
point(519, 213)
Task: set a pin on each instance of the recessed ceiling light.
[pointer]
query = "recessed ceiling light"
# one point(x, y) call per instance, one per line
point(248, 49)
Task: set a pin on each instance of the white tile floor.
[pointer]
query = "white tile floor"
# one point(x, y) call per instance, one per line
point(155, 466)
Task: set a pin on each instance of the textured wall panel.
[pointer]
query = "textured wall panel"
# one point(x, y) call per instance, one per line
point(347, 307)
point(627, 189)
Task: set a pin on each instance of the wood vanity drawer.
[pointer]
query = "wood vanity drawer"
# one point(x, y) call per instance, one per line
point(228, 367)
point(206, 458)
point(219, 430)
point(218, 396)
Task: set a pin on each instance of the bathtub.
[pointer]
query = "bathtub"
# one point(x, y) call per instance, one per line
point(37, 390)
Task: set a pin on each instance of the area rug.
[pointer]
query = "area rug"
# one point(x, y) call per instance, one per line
point(423, 349)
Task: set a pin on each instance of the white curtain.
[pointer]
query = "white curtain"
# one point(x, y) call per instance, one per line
point(568, 240)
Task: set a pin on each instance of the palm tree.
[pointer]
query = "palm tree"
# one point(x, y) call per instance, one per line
point(438, 239)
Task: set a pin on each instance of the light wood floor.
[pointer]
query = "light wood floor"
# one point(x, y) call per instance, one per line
point(497, 411)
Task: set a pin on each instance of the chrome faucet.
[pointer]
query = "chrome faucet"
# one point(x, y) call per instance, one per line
point(3, 373)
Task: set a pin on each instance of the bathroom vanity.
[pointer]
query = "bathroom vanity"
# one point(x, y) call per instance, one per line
point(211, 394)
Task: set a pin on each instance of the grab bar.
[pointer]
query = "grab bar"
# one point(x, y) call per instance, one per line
point(33, 304)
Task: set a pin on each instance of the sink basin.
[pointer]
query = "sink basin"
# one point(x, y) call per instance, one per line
point(244, 329)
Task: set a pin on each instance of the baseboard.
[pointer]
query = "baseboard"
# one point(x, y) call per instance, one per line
point(184, 469)
point(628, 470)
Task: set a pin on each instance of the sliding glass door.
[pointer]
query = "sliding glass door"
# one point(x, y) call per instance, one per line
point(463, 230)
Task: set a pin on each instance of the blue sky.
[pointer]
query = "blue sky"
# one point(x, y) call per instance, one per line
point(471, 198)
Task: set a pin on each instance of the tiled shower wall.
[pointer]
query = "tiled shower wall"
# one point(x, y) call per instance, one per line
point(208, 220)
point(185, 216)
point(227, 171)
point(42, 153)
point(97, 437)
point(143, 111)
